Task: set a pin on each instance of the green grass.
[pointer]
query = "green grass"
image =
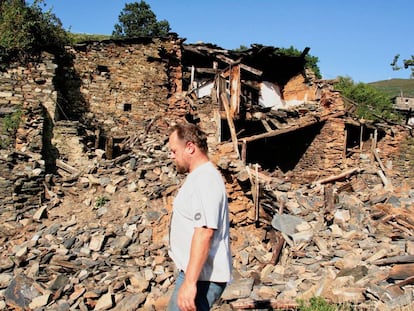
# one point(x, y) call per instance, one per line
point(82, 37)
point(320, 304)
point(394, 87)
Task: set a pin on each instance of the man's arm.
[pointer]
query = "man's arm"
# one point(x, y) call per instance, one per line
point(200, 247)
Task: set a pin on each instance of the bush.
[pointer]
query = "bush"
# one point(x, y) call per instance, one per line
point(26, 30)
point(10, 123)
point(371, 103)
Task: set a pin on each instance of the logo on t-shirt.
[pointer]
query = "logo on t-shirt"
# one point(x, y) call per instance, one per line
point(197, 216)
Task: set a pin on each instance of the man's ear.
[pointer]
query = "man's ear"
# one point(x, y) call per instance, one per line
point(190, 147)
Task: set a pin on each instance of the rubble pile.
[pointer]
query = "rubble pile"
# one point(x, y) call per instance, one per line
point(100, 242)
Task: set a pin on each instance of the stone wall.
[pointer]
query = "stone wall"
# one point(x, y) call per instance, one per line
point(325, 154)
point(30, 90)
point(126, 84)
point(123, 86)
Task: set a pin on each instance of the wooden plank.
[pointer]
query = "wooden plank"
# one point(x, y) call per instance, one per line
point(230, 122)
point(229, 61)
point(235, 89)
point(340, 176)
point(109, 148)
point(276, 123)
point(244, 152)
point(394, 260)
point(277, 249)
point(266, 125)
point(66, 167)
point(291, 128)
point(211, 71)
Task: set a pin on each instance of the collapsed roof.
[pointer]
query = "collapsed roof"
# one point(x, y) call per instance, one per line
point(262, 62)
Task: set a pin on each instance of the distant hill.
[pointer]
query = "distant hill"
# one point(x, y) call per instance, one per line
point(396, 87)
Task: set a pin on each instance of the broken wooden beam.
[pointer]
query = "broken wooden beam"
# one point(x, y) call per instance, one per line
point(291, 128)
point(230, 122)
point(277, 250)
point(395, 260)
point(66, 167)
point(337, 177)
point(266, 125)
point(235, 89)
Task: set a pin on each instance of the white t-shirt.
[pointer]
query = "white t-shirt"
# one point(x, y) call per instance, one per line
point(202, 202)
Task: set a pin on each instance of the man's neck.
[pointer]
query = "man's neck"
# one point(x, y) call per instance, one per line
point(197, 163)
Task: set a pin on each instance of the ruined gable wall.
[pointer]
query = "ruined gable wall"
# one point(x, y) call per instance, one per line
point(298, 89)
point(127, 83)
point(29, 89)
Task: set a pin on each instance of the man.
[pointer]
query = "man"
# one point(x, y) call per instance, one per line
point(199, 232)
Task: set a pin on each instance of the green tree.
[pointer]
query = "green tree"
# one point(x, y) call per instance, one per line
point(371, 103)
point(138, 20)
point(25, 30)
point(406, 63)
point(311, 62)
point(241, 48)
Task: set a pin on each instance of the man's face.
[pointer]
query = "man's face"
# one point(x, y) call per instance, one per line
point(178, 153)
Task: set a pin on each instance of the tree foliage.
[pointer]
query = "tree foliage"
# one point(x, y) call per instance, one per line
point(371, 103)
point(138, 20)
point(26, 30)
point(406, 63)
point(311, 62)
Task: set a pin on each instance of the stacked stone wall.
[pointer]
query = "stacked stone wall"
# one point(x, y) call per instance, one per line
point(127, 84)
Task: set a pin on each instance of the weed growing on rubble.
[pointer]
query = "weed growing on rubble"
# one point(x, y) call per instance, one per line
point(101, 201)
point(320, 304)
point(10, 123)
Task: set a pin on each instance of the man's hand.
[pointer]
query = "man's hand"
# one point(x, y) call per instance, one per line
point(186, 297)
point(200, 246)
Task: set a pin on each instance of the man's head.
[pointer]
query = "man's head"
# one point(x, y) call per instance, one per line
point(188, 146)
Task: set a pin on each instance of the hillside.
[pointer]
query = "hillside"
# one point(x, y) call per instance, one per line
point(396, 87)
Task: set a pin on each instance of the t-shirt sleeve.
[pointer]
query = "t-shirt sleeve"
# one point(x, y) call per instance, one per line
point(207, 200)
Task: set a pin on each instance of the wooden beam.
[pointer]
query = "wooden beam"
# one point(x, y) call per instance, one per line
point(230, 122)
point(276, 123)
point(266, 125)
point(244, 151)
point(291, 128)
point(235, 90)
point(337, 177)
point(229, 61)
point(361, 134)
point(211, 71)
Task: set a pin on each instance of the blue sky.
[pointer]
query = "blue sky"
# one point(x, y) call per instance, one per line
point(354, 38)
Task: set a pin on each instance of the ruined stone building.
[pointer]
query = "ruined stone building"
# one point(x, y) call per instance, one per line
point(105, 95)
point(92, 126)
